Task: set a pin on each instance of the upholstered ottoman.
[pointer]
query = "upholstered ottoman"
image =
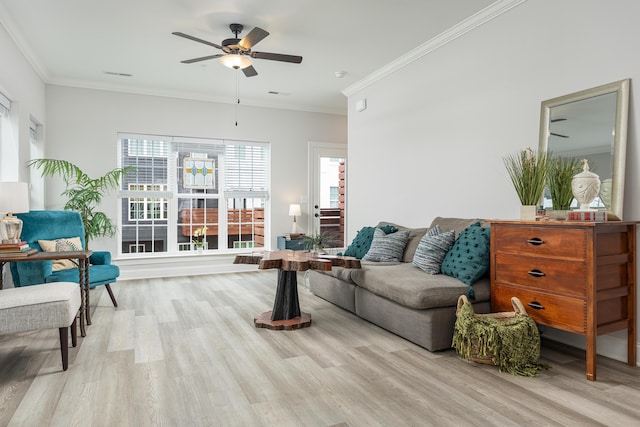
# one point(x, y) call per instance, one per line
point(47, 306)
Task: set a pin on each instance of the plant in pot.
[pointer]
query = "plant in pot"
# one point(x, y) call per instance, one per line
point(561, 172)
point(84, 194)
point(528, 172)
point(318, 241)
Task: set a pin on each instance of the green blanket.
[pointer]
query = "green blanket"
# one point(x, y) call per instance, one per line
point(514, 344)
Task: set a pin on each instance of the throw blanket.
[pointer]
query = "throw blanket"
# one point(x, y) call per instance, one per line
point(513, 344)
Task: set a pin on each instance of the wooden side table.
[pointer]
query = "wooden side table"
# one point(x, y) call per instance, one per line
point(286, 312)
point(83, 273)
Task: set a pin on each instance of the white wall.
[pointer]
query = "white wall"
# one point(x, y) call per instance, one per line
point(83, 125)
point(23, 86)
point(439, 127)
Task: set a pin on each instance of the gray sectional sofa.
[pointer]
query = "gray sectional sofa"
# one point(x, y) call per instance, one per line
point(401, 297)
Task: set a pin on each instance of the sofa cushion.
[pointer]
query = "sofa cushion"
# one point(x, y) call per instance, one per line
point(415, 234)
point(455, 224)
point(468, 259)
point(412, 287)
point(432, 249)
point(362, 242)
point(70, 244)
point(387, 247)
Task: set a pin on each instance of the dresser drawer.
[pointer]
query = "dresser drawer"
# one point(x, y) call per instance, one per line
point(542, 274)
point(540, 241)
point(569, 314)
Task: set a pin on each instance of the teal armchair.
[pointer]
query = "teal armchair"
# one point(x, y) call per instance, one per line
point(53, 225)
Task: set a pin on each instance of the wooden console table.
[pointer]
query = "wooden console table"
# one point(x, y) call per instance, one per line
point(286, 312)
point(83, 273)
point(576, 276)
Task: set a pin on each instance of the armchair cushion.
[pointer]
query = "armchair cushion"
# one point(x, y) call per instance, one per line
point(61, 245)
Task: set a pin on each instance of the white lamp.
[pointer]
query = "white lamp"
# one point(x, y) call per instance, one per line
point(294, 211)
point(235, 61)
point(14, 198)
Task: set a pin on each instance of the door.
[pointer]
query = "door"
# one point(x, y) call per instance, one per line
point(327, 195)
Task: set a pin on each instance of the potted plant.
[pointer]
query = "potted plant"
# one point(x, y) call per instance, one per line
point(318, 241)
point(199, 239)
point(84, 194)
point(528, 173)
point(561, 172)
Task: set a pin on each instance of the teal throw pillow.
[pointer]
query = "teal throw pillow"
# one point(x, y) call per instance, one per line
point(468, 259)
point(387, 247)
point(362, 242)
point(432, 249)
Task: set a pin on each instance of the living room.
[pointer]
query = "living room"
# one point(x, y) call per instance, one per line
point(437, 126)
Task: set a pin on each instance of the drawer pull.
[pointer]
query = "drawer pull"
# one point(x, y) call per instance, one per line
point(536, 273)
point(535, 241)
point(536, 305)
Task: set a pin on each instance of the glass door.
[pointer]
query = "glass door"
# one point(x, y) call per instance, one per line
point(328, 192)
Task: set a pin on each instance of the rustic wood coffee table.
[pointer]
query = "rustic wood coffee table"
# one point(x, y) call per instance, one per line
point(286, 312)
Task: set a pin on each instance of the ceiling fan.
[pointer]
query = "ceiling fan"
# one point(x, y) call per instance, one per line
point(237, 53)
point(558, 134)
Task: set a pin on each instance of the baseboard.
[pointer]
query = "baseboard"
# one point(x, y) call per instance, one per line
point(150, 268)
point(613, 346)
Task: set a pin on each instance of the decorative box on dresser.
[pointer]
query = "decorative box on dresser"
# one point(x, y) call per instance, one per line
point(570, 275)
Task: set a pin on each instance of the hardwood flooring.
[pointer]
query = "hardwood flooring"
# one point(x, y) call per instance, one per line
point(184, 352)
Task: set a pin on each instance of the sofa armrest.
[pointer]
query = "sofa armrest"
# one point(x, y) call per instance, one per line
point(100, 258)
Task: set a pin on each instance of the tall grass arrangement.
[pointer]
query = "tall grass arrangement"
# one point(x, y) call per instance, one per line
point(528, 173)
point(561, 172)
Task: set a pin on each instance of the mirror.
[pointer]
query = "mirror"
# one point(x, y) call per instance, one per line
point(591, 124)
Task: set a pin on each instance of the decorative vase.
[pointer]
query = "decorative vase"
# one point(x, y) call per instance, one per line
point(528, 212)
point(200, 250)
point(585, 187)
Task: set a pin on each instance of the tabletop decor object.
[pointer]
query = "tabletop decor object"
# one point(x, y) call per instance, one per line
point(585, 187)
point(528, 173)
point(560, 175)
point(14, 198)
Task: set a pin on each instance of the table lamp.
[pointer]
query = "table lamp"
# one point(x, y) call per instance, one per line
point(14, 198)
point(294, 211)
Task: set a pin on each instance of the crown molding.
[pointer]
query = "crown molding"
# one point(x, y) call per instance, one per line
point(480, 18)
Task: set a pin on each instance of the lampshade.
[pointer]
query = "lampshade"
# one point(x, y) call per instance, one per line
point(14, 198)
point(294, 210)
point(236, 61)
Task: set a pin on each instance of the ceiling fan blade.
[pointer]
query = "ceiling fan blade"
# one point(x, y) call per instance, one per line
point(249, 71)
point(277, 57)
point(557, 120)
point(254, 36)
point(559, 135)
point(202, 58)
point(195, 39)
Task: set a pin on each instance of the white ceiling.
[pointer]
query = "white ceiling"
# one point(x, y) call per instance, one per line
point(74, 42)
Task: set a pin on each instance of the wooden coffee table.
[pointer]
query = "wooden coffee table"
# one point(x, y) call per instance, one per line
point(286, 312)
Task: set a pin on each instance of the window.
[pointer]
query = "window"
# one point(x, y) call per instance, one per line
point(189, 190)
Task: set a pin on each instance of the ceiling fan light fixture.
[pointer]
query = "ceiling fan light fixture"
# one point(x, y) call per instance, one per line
point(236, 61)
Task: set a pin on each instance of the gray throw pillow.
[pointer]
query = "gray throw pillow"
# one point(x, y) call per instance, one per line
point(432, 249)
point(387, 247)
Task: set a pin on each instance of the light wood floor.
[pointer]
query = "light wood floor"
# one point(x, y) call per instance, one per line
point(184, 352)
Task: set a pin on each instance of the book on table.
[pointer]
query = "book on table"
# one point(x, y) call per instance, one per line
point(20, 254)
point(14, 247)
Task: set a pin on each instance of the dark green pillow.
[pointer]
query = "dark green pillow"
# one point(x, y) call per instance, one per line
point(362, 242)
point(468, 259)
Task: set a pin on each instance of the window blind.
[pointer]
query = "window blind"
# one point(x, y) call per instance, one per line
point(246, 170)
point(5, 105)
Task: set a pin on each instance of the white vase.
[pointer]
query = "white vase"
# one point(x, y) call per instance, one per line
point(528, 212)
point(585, 187)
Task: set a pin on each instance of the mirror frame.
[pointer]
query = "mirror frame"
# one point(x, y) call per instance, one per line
point(621, 88)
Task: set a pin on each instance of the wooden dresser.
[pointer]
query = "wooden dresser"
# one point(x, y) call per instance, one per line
point(574, 276)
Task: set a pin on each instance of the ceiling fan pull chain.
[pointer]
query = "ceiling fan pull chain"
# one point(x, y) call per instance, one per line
point(237, 94)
